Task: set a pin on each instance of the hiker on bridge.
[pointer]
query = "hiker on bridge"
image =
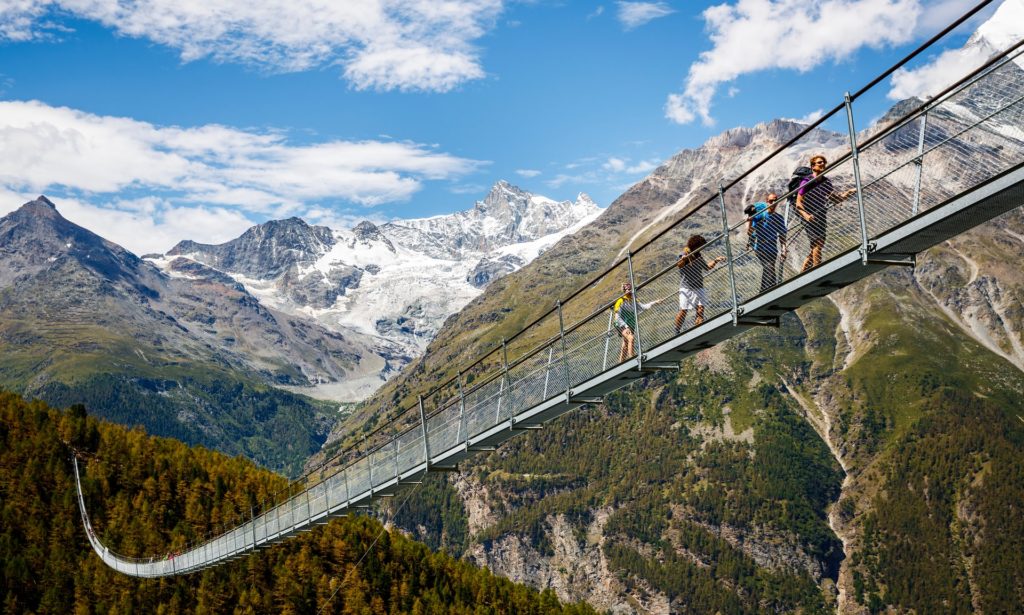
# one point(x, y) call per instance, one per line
point(625, 320)
point(813, 199)
point(766, 233)
point(692, 266)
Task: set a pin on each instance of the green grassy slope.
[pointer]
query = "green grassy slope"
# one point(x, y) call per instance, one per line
point(128, 382)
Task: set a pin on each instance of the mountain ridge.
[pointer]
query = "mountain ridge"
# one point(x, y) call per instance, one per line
point(395, 282)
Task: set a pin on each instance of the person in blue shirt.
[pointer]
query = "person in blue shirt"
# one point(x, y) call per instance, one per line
point(767, 232)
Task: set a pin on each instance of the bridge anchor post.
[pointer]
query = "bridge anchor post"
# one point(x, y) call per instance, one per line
point(865, 248)
point(728, 257)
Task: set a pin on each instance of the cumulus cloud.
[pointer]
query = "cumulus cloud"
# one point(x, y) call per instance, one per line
point(756, 35)
point(810, 118)
point(999, 32)
point(386, 45)
point(927, 80)
point(217, 175)
point(145, 225)
point(46, 146)
point(621, 165)
point(635, 14)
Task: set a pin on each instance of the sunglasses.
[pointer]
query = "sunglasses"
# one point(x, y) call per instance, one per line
point(818, 163)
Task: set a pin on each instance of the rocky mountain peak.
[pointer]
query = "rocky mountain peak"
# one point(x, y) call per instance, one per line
point(42, 206)
point(264, 250)
point(778, 131)
point(293, 233)
point(37, 236)
point(502, 198)
point(366, 231)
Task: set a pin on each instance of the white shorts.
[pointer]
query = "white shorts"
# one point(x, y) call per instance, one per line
point(690, 298)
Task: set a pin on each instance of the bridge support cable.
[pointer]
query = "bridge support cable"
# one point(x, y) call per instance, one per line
point(949, 165)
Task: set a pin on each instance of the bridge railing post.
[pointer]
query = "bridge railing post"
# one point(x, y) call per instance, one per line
point(855, 156)
point(638, 343)
point(919, 162)
point(462, 409)
point(547, 371)
point(369, 465)
point(503, 386)
point(565, 358)
point(607, 343)
point(423, 427)
point(394, 445)
point(348, 495)
point(728, 256)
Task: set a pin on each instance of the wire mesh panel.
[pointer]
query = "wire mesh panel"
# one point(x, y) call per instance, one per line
point(318, 499)
point(443, 427)
point(359, 477)
point(530, 379)
point(383, 460)
point(410, 449)
point(482, 403)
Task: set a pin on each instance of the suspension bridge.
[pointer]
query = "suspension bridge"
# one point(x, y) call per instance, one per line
point(938, 170)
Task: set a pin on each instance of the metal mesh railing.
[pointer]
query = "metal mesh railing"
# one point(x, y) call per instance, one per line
point(962, 137)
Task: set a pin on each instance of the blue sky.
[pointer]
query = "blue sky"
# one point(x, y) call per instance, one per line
point(155, 121)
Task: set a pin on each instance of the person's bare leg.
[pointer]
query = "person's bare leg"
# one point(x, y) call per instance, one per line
point(808, 262)
point(680, 317)
point(626, 350)
point(700, 316)
point(816, 252)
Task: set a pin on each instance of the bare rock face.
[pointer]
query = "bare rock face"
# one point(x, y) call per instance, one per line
point(574, 571)
point(264, 251)
point(487, 270)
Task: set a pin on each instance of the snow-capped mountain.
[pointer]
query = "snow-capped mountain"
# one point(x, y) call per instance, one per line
point(397, 281)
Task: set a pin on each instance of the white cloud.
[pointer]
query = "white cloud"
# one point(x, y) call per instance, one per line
point(810, 118)
point(45, 147)
point(635, 14)
point(756, 35)
point(161, 184)
point(643, 166)
point(944, 70)
point(144, 225)
point(999, 32)
point(527, 173)
point(620, 165)
point(389, 44)
point(615, 165)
